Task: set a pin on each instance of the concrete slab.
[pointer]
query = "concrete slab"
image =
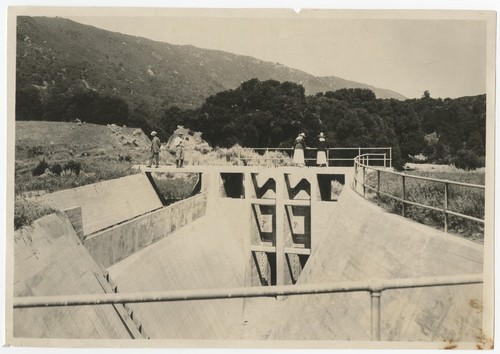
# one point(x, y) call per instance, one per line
point(49, 259)
point(110, 202)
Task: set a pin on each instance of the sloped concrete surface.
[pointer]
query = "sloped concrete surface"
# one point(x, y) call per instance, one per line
point(365, 242)
point(204, 254)
point(110, 202)
point(49, 259)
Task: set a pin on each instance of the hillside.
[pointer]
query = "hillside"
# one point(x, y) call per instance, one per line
point(61, 141)
point(101, 152)
point(89, 153)
point(59, 57)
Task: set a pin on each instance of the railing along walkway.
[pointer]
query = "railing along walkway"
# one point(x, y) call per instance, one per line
point(362, 163)
point(374, 286)
point(348, 154)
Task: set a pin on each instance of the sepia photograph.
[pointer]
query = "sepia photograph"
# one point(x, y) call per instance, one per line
point(250, 178)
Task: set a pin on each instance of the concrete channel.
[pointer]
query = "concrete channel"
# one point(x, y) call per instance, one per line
point(248, 227)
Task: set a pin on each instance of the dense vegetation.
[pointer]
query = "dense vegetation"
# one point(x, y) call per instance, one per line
point(271, 114)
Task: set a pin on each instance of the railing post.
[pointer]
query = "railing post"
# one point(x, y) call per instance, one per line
point(375, 315)
point(390, 157)
point(359, 151)
point(378, 187)
point(364, 180)
point(355, 174)
point(367, 160)
point(385, 159)
point(445, 207)
point(403, 211)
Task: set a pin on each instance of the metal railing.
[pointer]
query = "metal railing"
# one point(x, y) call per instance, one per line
point(362, 163)
point(348, 154)
point(374, 286)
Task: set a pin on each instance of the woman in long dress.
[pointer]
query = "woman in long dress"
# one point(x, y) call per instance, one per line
point(321, 160)
point(298, 150)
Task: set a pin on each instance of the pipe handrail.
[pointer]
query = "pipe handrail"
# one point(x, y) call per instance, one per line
point(442, 210)
point(386, 157)
point(372, 285)
point(362, 162)
point(480, 186)
point(314, 148)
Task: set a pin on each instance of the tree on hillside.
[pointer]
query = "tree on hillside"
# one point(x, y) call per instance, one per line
point(28, 103)
point(270, 113)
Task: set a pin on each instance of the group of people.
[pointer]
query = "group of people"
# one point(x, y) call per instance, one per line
point(298, 150)
point(299, 146)
point(178, 144)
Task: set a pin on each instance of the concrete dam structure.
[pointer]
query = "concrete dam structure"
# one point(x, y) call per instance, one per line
point(247, 230)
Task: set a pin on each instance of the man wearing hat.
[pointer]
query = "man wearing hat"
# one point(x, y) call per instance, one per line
point(179, 149)
point(322, 147)
point(155, 150)
point(299, 146)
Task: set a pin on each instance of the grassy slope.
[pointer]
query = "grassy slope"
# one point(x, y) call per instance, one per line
point(59, 141)
point(104, 152)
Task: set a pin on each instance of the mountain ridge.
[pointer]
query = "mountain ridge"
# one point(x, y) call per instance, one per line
point(58, 51)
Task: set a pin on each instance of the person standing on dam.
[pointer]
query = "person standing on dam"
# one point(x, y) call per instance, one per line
point(321, 160)
point(155, 150)
point(179, 150)
point(299, 146)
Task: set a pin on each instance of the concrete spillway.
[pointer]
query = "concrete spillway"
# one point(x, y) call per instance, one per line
point(281, 226)
point(363, 243)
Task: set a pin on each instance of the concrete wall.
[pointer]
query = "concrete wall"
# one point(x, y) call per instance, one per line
point(108, 203)
point(366, 242)
point(120, 241)
point(49, 259)
point(75, 218)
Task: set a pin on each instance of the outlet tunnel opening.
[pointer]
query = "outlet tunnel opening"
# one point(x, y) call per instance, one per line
point(232, 185)
point(172, 187)
point(330, 186)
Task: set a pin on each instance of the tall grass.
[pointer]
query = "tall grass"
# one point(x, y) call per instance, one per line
point(28, 210)
point(464, 200)
point(238, 156)
point(93, 170)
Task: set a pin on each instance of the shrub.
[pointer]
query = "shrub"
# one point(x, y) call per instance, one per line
point(28, 210)
point(35, 151)
point(56, 169)
point(467, 159)
point(40, 168)
point(73, 166)
point(239, 156)
point(126, 158)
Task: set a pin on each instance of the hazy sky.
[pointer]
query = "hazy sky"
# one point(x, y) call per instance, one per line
point(446, 57)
